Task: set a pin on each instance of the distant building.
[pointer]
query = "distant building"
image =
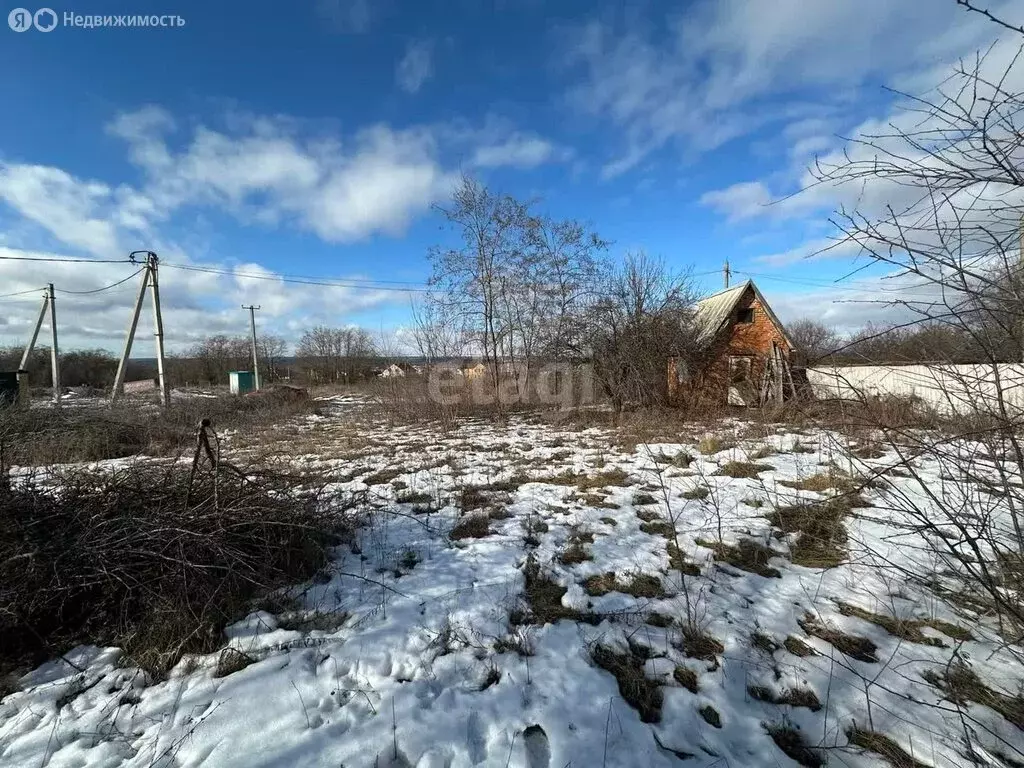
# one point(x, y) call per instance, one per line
point(391, 371)
point(743, 352)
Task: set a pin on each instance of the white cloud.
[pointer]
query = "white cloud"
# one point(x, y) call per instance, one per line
point(75, 212)
point(346, 16)
point(416, 66)
point(519, 151)
point(727, 68)
point(378, 181)
point(740, 201)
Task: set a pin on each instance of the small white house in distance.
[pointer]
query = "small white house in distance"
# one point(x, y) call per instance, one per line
point(391, 371)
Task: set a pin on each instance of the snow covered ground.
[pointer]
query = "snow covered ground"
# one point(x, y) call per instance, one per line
point(432, 641)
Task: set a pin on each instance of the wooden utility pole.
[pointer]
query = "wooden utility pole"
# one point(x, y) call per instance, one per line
point(726, 273)
point(149, 278)
point(158, 329)
point(23, 383)
point(255, 357)
point(54, 353)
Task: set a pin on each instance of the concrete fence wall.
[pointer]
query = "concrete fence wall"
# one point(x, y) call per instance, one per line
point(948, 388)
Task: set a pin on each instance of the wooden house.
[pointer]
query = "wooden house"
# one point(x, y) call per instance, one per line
point(743, 352)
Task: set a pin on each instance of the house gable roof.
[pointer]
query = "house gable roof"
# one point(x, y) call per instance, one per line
point(714, 311)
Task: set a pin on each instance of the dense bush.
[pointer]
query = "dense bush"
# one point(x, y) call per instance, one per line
point(149, 559)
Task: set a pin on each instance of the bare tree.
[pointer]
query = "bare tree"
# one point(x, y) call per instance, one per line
point(947, 181)
point(644, 315)
point(518, 285)
point(474, 276)
point(813, 340)
point(335, 354)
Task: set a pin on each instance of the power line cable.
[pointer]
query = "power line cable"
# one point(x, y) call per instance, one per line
point(326, 282)
point(21, 293)
point(55, 260)
point(104, 288)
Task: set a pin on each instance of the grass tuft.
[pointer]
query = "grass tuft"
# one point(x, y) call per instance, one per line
point(743, 469)
point(794, 697)
point(640, 692)
point(905, 629)
point(686, 677)
point(790, 740)
point(960, 684)
point(854, 646)
point(748, 555)
point(883, 746)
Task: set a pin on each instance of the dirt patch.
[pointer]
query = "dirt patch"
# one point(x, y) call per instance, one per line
point(854, 646)
point(748, 555)
point(640, 692)
point(640, 499)
point(710, 715)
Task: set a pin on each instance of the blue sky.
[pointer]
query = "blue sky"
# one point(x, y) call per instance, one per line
point(312, 138)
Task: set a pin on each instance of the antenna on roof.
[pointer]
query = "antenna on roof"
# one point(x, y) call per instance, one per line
point(726, 273)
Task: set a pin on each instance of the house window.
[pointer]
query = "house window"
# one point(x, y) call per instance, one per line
point(745, 315)
point(739, 370)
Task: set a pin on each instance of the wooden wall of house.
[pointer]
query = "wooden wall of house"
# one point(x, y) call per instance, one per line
point(754, 340)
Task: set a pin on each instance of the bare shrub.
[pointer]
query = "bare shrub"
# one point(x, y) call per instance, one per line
point(146, 558)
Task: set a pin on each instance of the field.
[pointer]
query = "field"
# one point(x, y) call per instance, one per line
point(535, 592)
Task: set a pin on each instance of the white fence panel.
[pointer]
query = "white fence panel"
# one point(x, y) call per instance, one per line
point(948, 388)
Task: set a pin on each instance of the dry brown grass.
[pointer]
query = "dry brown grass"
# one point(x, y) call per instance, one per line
point(884, 747)
point(854, 646)
point(143, 558)
point(742, 469)
point(793, 697)
point(638, 585)
point(748, 555)
point(791, 741)
point(961, 685)
point(822, 538)
point(37, 437)
point(686, 677)
point(640, 692)
point(907, 629)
